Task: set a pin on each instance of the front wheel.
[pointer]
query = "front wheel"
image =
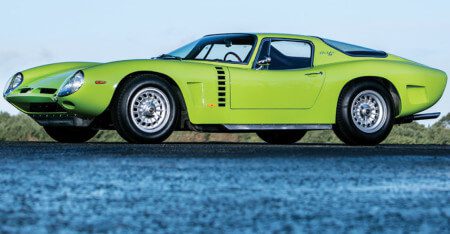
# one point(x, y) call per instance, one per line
point(365, 114)
point(145, 109)
point(70, 134)
point(281, 137)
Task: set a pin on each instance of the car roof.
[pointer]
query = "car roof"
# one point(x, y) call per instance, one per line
point(282, 35)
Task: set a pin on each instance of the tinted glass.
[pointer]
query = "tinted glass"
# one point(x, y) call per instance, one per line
point(233, 53)
point(354, 49)
point(234, 48)
point(286, 54)
point(183, 51)
point(346, 47)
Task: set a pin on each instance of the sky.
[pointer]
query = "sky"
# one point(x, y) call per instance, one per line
point(34, 33)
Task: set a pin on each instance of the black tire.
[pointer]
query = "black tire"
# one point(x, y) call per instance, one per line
point(122, 119)
point(70, 134)
point(281, 137)
point(346, 128)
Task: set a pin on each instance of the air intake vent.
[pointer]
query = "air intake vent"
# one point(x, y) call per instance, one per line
point(221, 87)
point(45, 107)
point(48, 91)
point(25, 90)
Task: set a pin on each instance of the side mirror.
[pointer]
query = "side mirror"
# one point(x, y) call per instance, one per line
point(264, 62)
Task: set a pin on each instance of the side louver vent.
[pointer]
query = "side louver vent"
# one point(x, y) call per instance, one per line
point(221, 87)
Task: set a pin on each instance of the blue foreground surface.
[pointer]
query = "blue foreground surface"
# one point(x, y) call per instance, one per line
point(210, 188)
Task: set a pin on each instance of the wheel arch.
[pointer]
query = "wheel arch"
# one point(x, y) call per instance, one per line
point(390, 87)
point(184, 113)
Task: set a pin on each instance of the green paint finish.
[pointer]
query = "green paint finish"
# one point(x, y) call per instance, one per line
point(250, 96)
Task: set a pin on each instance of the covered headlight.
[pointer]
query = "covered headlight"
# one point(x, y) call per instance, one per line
point(13, 83)
point(72, 84)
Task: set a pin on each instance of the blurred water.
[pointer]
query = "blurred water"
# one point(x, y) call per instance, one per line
point(51, 190)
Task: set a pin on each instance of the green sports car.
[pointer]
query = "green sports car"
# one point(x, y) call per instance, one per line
point(277, 85)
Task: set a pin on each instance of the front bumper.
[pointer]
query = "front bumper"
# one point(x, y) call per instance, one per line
point(46, 111)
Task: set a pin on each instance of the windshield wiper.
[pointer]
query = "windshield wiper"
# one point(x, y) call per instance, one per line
point(168, 56)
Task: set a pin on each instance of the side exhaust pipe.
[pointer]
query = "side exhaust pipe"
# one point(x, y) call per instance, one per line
point(410, 118)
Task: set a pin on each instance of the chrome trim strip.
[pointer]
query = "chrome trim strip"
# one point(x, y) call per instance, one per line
point(427, 116)
point(410, 118)
point(248, 127)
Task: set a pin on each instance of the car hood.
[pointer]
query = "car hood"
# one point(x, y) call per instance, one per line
point(52, 75)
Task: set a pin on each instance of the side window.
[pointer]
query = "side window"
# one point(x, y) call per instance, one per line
point(286, 55)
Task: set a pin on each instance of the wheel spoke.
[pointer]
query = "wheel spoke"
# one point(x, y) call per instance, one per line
point(368, 111)
point(150, 109)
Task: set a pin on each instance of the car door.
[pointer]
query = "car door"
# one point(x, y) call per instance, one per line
point(283, 77)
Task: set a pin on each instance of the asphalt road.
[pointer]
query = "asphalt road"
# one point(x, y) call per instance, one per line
point(210, 188)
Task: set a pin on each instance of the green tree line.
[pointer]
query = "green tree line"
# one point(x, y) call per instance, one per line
point(23, 128)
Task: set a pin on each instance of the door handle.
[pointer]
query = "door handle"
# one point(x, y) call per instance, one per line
point(314, 73)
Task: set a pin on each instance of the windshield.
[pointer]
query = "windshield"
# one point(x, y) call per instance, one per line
point(231, 48)
point(183, 51)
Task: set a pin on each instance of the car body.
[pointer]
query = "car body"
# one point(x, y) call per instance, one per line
point(233, 93)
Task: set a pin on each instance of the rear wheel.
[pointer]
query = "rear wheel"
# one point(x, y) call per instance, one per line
point(70, 134)
point(145, 109)
point(364, 115)
point(281, 137)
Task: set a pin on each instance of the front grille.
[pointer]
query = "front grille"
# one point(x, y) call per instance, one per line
point(48, 91)
point(46, 107)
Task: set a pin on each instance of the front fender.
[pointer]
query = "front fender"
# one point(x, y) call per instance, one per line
point(93, 98)
point(53, 70)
